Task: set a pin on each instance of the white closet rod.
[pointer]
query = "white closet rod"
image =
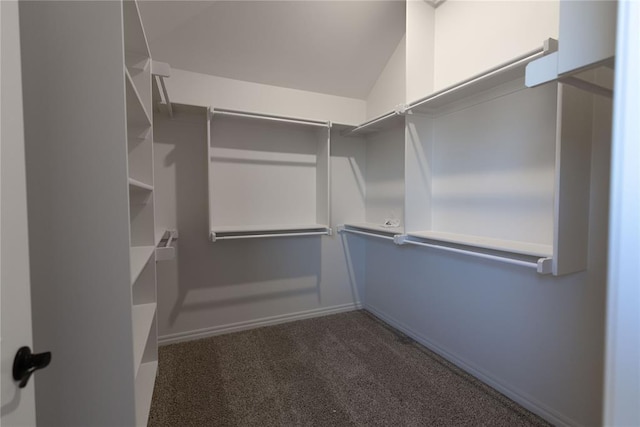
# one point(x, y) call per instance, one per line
point(258, 236)
point(283, 119)
point(373, 122)
point(364, 233)
point(477, 254)
point(505, 66)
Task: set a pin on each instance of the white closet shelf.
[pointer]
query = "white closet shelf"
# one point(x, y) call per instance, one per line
point(371, 230)
point(520, 248)
point(142, 322)
point(262, 231)
point(494, 77)
point(145, 381)
point(135, 185)
point(164, 250)
point(137, 115)
point(140, 255)
point(475, 85)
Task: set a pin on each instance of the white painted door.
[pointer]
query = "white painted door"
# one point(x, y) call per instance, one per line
point(18, 404)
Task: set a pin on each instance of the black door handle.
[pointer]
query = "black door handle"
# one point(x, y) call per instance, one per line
point(26, 363)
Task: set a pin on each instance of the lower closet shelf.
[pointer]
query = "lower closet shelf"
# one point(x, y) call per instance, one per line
point(524, 254)
point(372, 230)
point(145, 381)
point(143, 315)
point(522, 248)
point(262, 231)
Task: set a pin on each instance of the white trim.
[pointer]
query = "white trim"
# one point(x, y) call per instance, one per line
point(256, 323)
point(622, 345)
point(517, 396)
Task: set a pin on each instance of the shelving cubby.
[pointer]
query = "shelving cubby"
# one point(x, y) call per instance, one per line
point(383, 177)
point(137, 71)
point(268, 176)
point(499, 169)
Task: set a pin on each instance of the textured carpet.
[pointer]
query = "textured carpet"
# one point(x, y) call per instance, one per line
point(342, 370)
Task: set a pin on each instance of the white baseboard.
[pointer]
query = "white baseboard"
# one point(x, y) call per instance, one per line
point(520, 397)
point(257, 323)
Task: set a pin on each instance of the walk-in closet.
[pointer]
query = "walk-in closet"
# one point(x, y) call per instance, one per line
point(317, 213)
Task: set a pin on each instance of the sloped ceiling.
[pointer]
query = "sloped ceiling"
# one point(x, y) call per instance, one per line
point(333, 47)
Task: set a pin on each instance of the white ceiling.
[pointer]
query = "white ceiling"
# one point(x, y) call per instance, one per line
point(334, 47)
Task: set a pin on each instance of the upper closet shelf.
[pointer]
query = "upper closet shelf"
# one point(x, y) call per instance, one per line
point(137, 115)
point(458, 93)
point(261, 231)
point(496, 76)
point(267, 117)
point(372, 230)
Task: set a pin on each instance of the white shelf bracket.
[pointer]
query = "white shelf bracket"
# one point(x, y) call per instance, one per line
point(340, 228)
point(401, 109)
point(545, 265)
point(329, 231)
point(545, 70)
point(400, 239)
point(212, 236)
point(159, 72)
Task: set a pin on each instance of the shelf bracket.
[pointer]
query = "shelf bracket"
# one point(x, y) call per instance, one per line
point(400, 239)
point(545, 265)
point(212, 236)
point(159, 72)
point(545, 70)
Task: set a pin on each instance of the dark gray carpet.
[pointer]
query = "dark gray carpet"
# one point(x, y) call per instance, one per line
point(342, 370)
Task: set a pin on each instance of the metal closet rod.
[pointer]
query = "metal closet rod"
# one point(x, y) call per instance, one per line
point(258, 236)
point(476, 254)
point(374, 121)
point(548, 47)
point(282, 119)
point(365, 233)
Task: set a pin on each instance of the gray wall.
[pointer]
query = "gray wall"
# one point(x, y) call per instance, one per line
point(229, 285)
point(539, 339)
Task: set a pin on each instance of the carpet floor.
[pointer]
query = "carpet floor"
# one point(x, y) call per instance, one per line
point(342, 370)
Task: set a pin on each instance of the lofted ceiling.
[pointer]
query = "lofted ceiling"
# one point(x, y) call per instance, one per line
point(333, 47)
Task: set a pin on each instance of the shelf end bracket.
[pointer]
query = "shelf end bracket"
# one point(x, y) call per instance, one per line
point(545, 265)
